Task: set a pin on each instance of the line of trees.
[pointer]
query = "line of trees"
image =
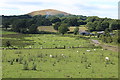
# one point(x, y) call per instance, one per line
point(106, 37)
point(100, 24)
point(28, 24)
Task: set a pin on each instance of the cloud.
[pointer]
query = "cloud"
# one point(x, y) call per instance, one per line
point(106, 8)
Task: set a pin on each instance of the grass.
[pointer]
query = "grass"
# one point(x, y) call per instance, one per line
point(7, 32)
point(64, 63)
point(44, 40)
point(81, 28)
point(73, 64)
point(51, 29)
point(46, 28)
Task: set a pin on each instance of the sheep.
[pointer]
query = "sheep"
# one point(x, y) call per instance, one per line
point(50, 55)
point(77, 51)
point(41, 47)
point(30, 47)
point(94, 49)
point(107, 59)
point(88, 50)
point(68, 47)
point(62, 54)
point(102, 49)
point(4, 48)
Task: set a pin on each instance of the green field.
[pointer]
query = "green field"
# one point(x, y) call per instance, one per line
point(51, 29)
point(85, 62)
point(73, 63)
point(7, 32)
point(44, 40)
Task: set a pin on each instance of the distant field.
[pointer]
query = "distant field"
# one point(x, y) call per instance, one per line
point(7, 32)
point(43, 40)
point(51, 29)
point(46, 28)
point(80, 28)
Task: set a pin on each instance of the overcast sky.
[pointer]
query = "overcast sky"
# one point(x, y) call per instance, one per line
point(101, 8)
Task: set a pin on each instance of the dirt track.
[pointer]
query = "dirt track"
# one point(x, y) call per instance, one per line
point(105, 46)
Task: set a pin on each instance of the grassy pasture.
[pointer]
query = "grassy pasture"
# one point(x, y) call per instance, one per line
point(80, 28)
point(6, 32)
point(46, 28)
point(64, 63)
point(73, 63)
point(44, 40)
point(51, 29)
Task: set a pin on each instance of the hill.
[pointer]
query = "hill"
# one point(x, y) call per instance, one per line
point(48, 12)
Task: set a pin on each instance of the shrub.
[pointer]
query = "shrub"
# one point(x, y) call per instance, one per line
point(34, 66)
point(25, 66)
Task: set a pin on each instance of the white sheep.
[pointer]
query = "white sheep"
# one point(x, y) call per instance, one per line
point(94, 49)
point(41, 47)
point(30, 46)
point(50, 55)
point(77, 51)
point(88, 50)
point(62, 54)
point(102, 49)
point(107, 59)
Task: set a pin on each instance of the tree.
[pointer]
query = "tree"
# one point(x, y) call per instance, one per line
point(99, 27)
point(104, 25)
point(6, 25)
point(18, 25)
point(33, 29)
point(8, 44)
point(90, 26)
point(106, 37)
point(107, 30)
point(116, 37)
point(76, 30)
point(56, 25)
point(71, 21)
point(55, 19)
point(92, 19)
point(46, 22)
point(115, 25)
point(63, 29)
point(81, 22)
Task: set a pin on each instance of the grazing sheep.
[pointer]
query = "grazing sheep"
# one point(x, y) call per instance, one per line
point(88, 50)
point(30, 47)
point(68, 47)
point(50, 55)
point(62, 54)
point(107, 59)
point(102, 49)
point(41, 47)
point(77, 51)
point(4, 48)
point(94, 49)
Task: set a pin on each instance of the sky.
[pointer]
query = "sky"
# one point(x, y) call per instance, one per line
point(100, 8)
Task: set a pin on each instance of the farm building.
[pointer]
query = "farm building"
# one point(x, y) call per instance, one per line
point(100, 32)
point(86, 33)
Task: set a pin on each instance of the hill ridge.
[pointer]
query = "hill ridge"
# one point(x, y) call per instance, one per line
point(48, 12)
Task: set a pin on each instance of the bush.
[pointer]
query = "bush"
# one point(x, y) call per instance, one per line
point(34, 66)
point(25, 66)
